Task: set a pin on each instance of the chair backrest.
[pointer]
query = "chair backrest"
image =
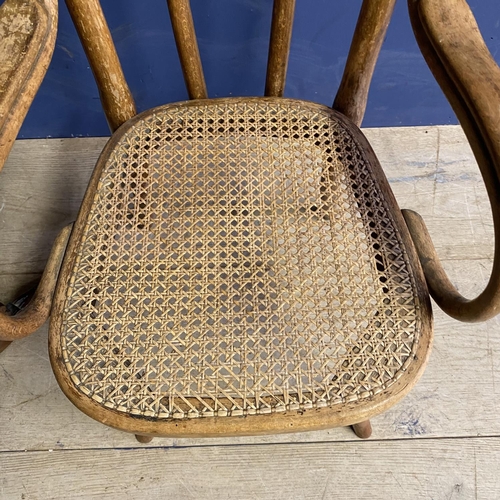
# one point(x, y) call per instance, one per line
point(117, 100)
point(27, 37)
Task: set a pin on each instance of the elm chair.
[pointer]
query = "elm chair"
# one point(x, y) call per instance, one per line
point(27, 36)
point(240, 266)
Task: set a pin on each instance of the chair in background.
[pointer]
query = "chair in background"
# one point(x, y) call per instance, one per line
point(240, 266)
point(28, 31)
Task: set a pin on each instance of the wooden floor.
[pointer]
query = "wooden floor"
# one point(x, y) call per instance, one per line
point(441, 442)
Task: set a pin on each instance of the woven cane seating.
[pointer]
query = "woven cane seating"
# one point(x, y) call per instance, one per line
point(240, 266)
point(240, 257)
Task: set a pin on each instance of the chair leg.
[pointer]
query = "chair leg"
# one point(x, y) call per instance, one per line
point(4, 344)
point(143, 439)
point(363, 430)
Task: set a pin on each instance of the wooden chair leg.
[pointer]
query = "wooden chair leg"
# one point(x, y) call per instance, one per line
point(363, 430)
point(143, 439)
point(3, 345)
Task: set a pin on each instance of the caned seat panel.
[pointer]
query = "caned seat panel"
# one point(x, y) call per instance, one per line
point(238, 257)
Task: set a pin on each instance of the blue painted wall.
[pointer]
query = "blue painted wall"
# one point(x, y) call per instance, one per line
point(233, 37)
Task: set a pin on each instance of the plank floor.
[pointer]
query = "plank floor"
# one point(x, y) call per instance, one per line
point(441, 442)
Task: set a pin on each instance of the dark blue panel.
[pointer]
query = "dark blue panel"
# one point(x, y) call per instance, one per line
point(233, 37)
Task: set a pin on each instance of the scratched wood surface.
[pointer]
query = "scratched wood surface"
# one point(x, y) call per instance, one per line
point(448, 469)
point(432, 171)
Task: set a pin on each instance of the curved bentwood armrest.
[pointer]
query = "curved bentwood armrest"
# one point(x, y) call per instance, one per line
point(28, 31)
point(34, 315)
point(454, 49)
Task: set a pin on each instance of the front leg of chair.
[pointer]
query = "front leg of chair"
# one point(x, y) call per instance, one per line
point(363, 430)
point(143, 439)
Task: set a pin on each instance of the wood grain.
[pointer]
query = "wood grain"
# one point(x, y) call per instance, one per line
point(279, 47)
point(369, 35)
point(187, 46)
point(431, 170)
point(116, 98)
point(456, 53)
point(434, 469)
point(37, 311)
point(27, 38)
point(350, 410)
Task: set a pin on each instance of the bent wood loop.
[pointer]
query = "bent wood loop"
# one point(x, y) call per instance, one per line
point(451, 43)
point(38, 310)
point(279, 47)
point(187, 47)
point(27, 37)
point(116, 98)
point(369, 35)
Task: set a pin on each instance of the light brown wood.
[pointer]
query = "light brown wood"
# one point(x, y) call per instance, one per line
point(363, 430)
point(446, 188)
point(347, 413)
point(445, 469)
point(279, 47)
point(143, 439)
point(469, 76)
point(187, 46)
point(369, 35)
point(116, 98)
point(37, 311)
point(27, 37)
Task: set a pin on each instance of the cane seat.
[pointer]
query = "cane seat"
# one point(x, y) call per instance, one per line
point(238, 258)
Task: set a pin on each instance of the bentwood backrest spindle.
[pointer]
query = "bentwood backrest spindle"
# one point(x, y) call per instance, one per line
point(246, 257)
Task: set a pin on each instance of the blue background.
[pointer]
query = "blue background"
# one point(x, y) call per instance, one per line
point(233, 37)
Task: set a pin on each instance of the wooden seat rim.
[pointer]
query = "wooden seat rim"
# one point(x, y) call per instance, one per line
point(301, 420)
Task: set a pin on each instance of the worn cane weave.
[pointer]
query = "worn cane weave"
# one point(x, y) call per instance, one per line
point(239, 258)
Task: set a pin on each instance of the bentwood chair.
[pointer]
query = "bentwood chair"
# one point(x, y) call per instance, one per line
point(240, 266)
point(28, 31)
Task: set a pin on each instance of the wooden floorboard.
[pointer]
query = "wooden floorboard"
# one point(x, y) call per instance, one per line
point(391, 470)
point(434, 444)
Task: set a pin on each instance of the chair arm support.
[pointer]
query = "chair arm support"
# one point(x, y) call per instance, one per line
point(454, 49)
point(38, 310)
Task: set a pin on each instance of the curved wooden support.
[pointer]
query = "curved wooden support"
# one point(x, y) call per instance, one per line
point(143, 439)
point(369, 35)
point(187, 47)
point(37, 311)
point(363, 430)
point(116, 98)
point(454, 49)
point(3, 345)
point(27, 37)
point(279, 47)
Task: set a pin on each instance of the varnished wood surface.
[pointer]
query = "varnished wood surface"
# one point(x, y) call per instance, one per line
point(369, 35)
point(453, 47)
point(187, 46)
point(116, 98)
point(279, 47)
